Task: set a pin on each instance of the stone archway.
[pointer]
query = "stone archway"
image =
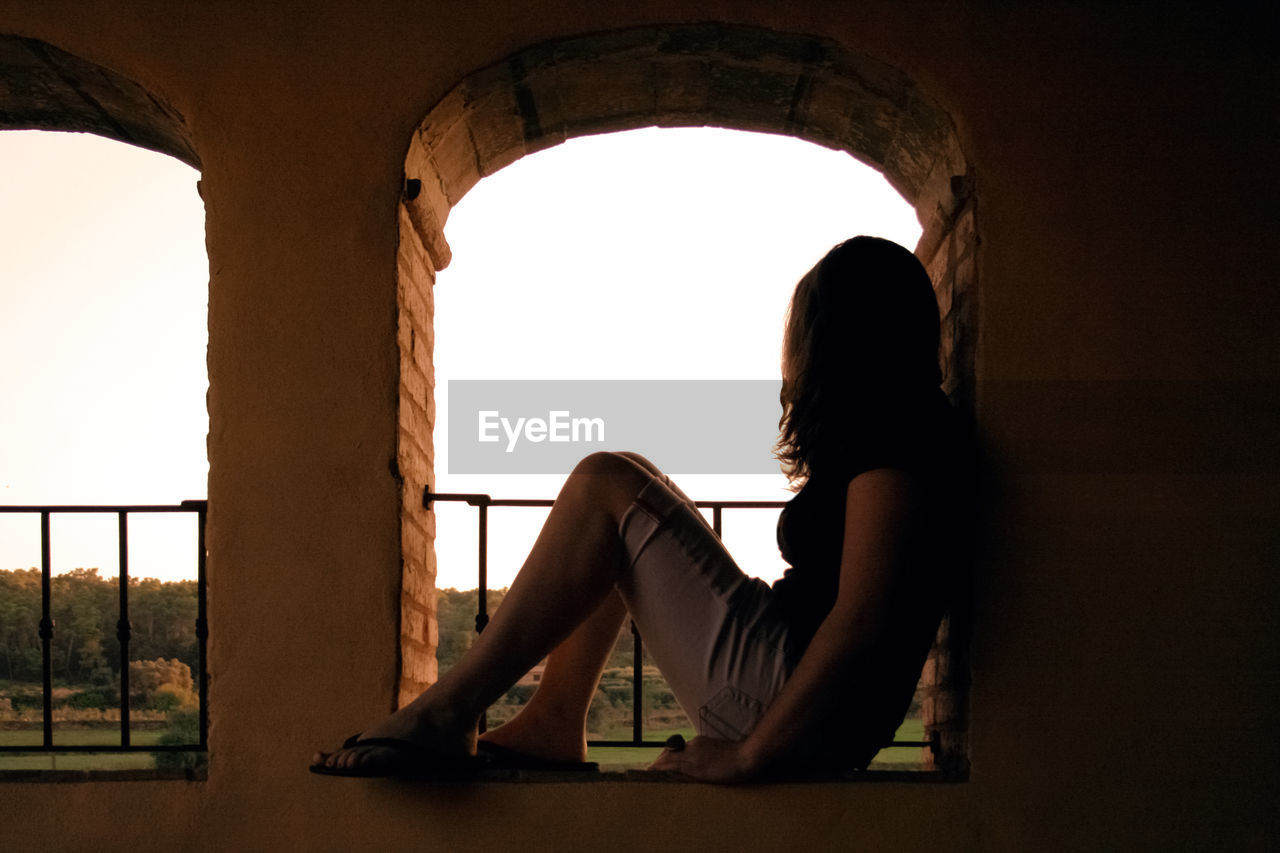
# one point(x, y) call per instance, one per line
point(728, 76)
point(44, 88)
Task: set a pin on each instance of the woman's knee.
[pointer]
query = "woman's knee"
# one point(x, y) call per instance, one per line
point(613, 475)
point(616, 462)
point(642, 461)
point(595, 463)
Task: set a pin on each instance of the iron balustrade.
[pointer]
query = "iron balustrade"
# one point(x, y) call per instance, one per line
point(47, 628)
point(483, 502)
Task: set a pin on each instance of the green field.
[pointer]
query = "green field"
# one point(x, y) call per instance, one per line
point(904, 756)
point(87, 738)
point(617, 758)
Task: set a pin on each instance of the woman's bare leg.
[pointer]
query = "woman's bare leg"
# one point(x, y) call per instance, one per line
point(552, 724)
point(569, 574)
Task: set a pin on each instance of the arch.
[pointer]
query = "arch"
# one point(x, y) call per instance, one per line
point(731, 76)
point(45, 88)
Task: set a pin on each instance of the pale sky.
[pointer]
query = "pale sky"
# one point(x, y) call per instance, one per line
point(648, 255)
point(654, 254)
point(103, 295)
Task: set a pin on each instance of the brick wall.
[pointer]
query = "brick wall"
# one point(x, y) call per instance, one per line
point(415, 456)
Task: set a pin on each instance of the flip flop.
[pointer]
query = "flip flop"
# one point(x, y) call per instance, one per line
point(498, 757)
point(412, 761)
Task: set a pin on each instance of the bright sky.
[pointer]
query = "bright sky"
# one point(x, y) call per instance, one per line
point(654, 254)
point(104, 285)
point(648, 255)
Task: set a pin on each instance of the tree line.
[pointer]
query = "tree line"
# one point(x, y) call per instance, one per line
point(85, 610)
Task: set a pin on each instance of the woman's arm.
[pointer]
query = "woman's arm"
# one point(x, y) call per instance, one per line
point(881, 509)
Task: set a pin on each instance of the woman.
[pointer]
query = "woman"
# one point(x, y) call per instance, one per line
point(811, 674)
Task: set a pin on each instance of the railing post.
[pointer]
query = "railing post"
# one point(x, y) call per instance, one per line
point(123, 628)
point(637, 687)
point(202, 622)
point(46, 627)
point(482, 591)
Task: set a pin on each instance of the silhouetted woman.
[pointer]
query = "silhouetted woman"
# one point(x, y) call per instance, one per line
point(813, 673)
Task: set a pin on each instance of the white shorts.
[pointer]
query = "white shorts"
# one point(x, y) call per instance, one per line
point(710, 628)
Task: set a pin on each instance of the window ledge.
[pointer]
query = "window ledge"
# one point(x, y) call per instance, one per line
point(501, 776)
point(198, 774)
point(668, 777)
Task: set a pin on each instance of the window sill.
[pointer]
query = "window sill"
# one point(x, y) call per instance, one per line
point(197, 774)
point(667, 777)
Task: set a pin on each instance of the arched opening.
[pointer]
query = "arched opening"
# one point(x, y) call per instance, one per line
point(631, 263)
point(106, 290)
point(705, 75)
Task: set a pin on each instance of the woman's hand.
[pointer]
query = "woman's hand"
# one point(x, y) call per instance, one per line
point(706, 759)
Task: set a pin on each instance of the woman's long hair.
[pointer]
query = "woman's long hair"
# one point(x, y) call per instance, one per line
point(860, 354)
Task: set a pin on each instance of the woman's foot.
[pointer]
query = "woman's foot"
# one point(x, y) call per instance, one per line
point(542, 740)
point(410, 736)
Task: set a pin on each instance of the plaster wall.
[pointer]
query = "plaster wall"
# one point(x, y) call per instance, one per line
point(1123, 624)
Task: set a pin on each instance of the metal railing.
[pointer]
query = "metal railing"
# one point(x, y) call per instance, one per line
point(483, 502)
point(47, 628)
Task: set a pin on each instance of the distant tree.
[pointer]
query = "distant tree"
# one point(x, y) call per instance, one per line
point(162, 684)
point(85, 610)
point(19, 623)
point(84, 617)
point(163, 615)
point(456, 622)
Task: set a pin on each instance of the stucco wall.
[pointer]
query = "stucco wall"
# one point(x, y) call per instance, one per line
point(1122, 628)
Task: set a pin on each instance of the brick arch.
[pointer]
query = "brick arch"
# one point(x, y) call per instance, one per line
point(726, 76)
point(678, 76)
point(45, 88)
